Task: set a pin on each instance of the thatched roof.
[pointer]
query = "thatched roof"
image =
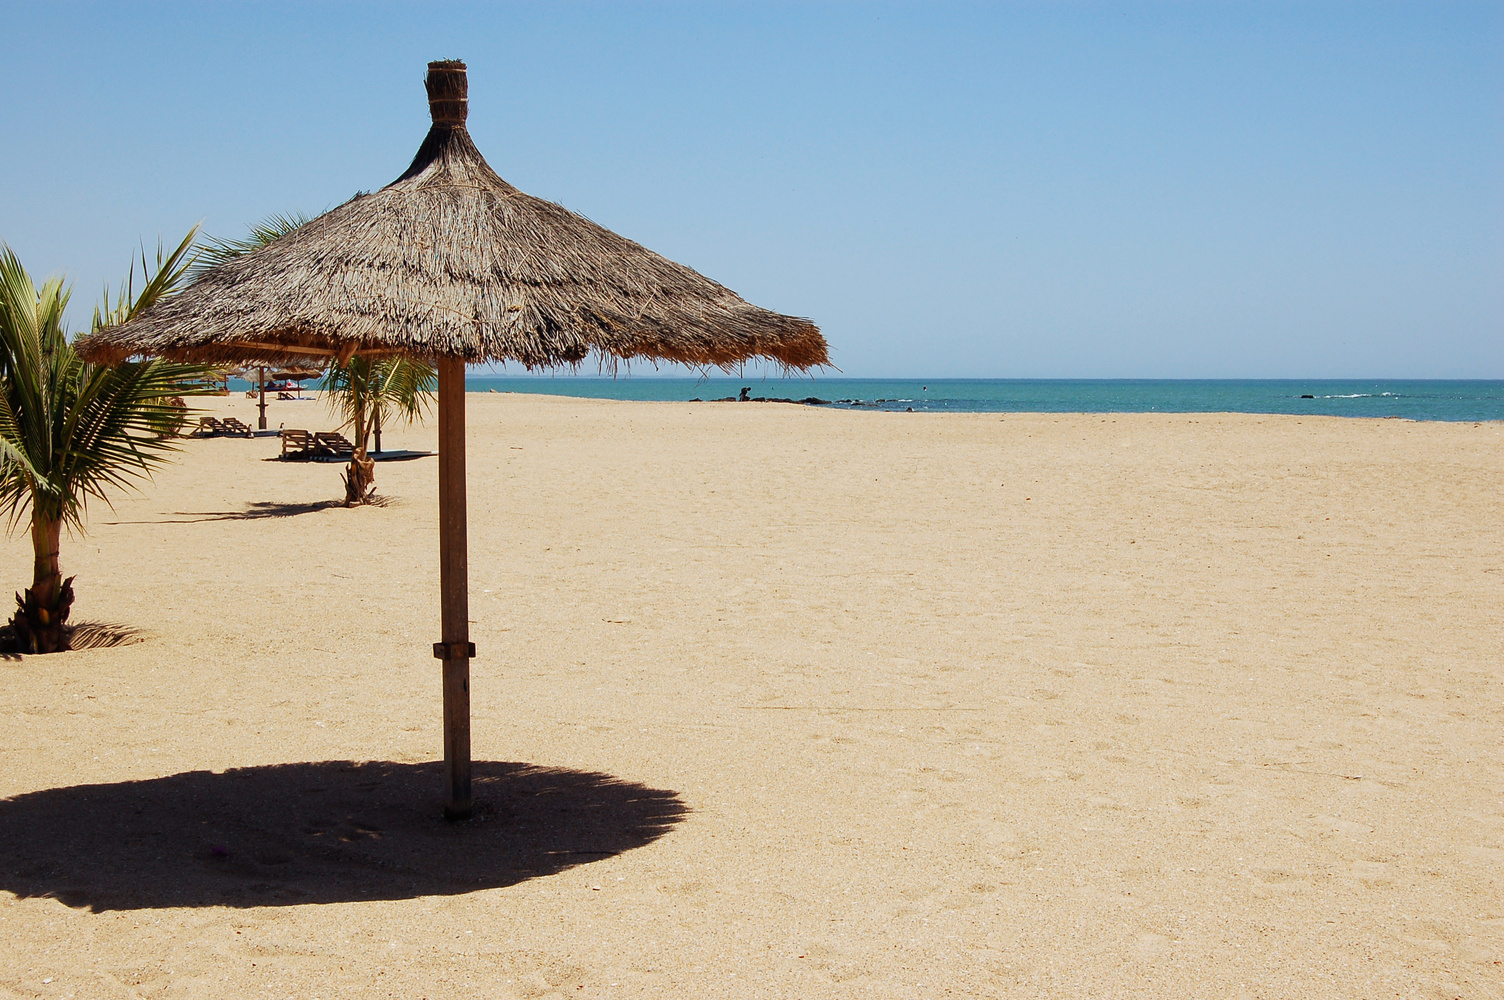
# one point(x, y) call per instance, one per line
point(451, 260)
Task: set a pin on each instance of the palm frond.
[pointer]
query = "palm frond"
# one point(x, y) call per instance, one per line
point(171, 273)
point(364, 391)
point(213, 251)
point(71, 431)
point(407, 388)
point(33, 350)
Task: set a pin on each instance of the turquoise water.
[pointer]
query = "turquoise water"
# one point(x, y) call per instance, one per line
point(1414, 400)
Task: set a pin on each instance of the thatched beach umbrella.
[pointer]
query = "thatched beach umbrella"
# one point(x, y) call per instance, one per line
point(452, 264)
point(295, 374)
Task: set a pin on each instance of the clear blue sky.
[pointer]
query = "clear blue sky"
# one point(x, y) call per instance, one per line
point(1031, 190)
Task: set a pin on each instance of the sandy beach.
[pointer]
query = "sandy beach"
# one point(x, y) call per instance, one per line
point(779, 701)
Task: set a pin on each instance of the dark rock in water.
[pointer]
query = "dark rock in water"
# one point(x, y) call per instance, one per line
point(814, 401)
point(1307, 396)
point(726, 399)
point(909, 409)
point(697, 399)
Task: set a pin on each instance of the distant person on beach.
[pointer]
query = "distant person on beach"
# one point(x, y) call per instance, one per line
point(746, 395)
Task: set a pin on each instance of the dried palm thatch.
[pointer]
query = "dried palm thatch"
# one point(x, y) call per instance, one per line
point(449, 260)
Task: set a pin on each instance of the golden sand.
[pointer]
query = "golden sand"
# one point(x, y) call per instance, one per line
point(786, 702)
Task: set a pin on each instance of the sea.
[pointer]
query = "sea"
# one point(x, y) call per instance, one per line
point(1409, 399)
point(1470, 400)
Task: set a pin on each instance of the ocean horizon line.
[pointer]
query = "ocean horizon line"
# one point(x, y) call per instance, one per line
point(1451, 400)
point(803, 377)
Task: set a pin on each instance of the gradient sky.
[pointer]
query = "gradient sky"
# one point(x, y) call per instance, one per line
point(1031, 190)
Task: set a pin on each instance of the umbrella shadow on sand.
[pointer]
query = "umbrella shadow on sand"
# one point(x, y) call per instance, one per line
point(323, 832)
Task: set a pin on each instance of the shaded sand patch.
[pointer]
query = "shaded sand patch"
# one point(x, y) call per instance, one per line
point(332, 831)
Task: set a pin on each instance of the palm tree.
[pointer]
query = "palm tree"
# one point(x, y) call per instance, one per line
point(365, 392)
point(71, 431)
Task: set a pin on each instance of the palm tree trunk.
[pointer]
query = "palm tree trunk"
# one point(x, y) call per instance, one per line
point(43, 612)
point(360, 477)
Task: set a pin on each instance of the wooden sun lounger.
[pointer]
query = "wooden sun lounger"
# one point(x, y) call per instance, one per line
point(232, 425)
point(297, 444)
point(332, 444)
point(207, 427)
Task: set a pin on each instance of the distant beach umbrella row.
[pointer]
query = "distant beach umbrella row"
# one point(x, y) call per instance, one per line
point(252, 373)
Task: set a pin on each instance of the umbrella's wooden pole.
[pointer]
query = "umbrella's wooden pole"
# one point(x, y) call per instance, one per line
point(261, 381)
point(454, 587)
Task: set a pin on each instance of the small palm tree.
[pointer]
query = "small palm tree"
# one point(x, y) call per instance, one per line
point(70, 431)
point(366, 393)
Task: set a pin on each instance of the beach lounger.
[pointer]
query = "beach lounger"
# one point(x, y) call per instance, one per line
point(297, 444)
point(332, 444)
point(232, 425)
point(207, 427)
point(286, 395)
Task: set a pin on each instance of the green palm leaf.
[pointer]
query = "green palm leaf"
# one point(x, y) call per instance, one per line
point(72, 432)
point(367, 392)
point(213, 251)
